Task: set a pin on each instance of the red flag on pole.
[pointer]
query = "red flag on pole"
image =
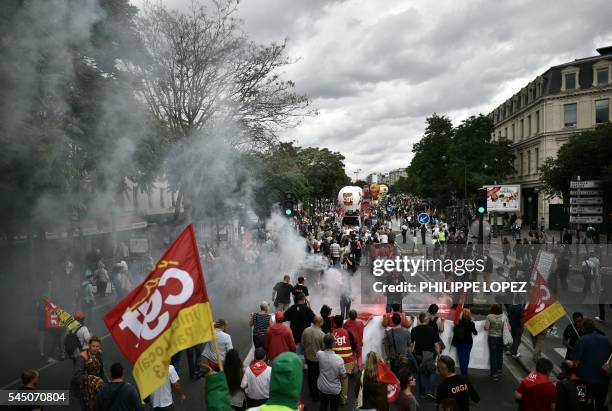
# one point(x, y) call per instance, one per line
point(51, 318)
point(459, 309)
point(167, 313)
point(385, 375)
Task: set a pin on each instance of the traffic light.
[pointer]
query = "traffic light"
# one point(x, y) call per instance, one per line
point(289, 204)
point(481, 202)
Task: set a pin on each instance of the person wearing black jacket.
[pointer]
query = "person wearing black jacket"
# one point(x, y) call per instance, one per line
point(328, 320)
point(462, 339)
point(118, 395)
point(301, 317)
point(571, 391)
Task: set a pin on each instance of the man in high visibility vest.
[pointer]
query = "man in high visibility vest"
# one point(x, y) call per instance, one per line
point(344, 348)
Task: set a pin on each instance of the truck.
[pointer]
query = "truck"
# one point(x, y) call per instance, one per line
point(349, 199)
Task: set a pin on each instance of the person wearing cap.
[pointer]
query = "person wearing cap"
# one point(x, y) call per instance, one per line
point(256, 380)
point(285, 386)
point(224, 342)
point(279, 338)
point(82, 333)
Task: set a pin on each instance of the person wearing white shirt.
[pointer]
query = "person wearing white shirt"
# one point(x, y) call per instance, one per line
point(161, 398)
point(256, 380)
point(224, 341)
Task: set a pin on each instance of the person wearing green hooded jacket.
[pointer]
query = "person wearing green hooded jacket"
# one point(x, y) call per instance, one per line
point(285, 386)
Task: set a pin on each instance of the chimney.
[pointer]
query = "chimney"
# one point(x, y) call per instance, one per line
point(604, 51)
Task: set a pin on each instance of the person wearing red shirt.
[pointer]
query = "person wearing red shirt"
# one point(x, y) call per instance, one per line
point(355, 328)
point(279, 338)
point(344, 348)
point(396, 309)
point(537, 392)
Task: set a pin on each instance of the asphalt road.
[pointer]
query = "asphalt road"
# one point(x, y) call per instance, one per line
point(495, 395)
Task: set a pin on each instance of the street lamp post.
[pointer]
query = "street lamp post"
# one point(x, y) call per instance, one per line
point(467, 222)
point(356, 172)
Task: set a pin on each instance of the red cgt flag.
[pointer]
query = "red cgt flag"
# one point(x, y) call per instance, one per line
point(386, 376)
point(167, 313)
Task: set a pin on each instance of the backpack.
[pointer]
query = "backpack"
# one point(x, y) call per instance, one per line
point(72, 343)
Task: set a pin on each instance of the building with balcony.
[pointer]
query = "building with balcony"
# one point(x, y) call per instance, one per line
point(540, 118)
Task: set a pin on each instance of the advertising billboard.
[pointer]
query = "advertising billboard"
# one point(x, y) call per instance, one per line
point(503, 198)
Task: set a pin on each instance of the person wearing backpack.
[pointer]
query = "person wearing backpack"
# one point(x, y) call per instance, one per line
point(462, 339)
point(77, 340)
point(118, 395)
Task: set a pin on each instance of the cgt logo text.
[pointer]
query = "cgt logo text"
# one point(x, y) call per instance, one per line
point(151, 306)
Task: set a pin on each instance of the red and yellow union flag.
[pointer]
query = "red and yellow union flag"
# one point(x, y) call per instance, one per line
point(168, 312)
point(543, 309)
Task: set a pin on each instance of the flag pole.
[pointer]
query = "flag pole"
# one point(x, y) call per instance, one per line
point(199, 259)
point(217, 353)
point(572, 323)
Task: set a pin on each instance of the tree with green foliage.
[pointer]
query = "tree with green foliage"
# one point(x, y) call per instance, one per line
point(312, 174)
point(69, 122)
point(428, 164)
point(587, 154)
point(457, 159)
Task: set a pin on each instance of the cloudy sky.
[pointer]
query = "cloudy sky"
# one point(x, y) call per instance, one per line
point(375, 69)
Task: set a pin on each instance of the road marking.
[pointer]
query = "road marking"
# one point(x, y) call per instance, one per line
point(18, 380)
point(15, 382)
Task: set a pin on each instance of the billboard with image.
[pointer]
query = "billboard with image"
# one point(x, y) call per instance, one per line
point(503, 198)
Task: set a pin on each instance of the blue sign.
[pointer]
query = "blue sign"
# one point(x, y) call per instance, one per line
point(423, 218)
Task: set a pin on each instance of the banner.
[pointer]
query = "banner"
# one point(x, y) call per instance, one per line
point(167, 313)
point(56, 317)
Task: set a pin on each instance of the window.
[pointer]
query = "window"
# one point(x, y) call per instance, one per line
point(537, 122)
point(521, 169)
point(603, 76)
point(528, 162)
point(570, 81)
point(522, 129)
point(173, 198)
point(506, 132)
point(602, 111)
point(569, 115)
point(149, 199)
point(162, 203)
point(513, 134)
point(536, 154)
point(135, 196)
point(528, 126)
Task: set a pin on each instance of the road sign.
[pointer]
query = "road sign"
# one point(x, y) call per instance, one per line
point(581, 192)
point(586, 219)
point(585, 184)
point(586, 200)
point(586, 210)
point(423, 218)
